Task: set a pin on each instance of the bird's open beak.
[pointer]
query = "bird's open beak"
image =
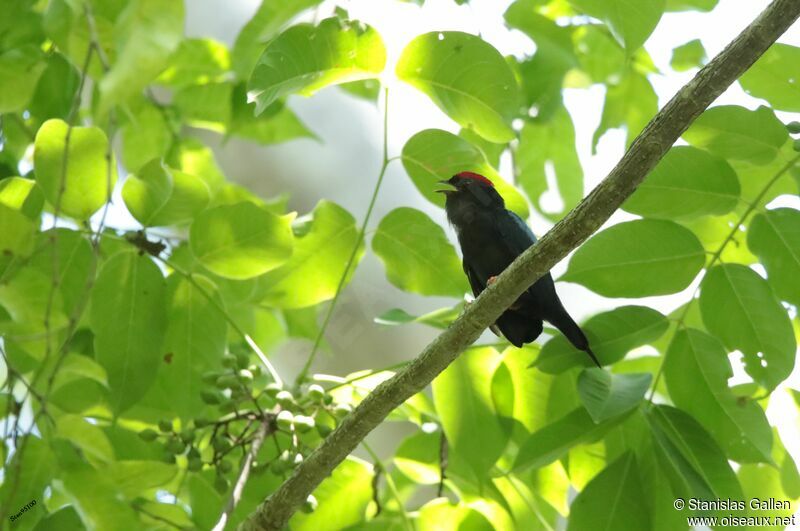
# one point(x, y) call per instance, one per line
point(445, 188)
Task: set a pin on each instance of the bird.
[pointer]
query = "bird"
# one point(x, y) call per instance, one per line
point(491, 237)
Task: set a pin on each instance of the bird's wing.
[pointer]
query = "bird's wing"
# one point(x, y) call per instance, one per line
point(514, 232)
point(474, 281)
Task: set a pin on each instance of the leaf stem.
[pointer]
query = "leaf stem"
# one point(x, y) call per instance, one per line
point(301, 377)
point(390, 484)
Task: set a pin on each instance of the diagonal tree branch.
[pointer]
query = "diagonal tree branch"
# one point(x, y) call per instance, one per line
point(648, 148)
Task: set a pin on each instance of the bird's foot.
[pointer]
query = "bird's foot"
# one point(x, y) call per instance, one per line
point(491, 280)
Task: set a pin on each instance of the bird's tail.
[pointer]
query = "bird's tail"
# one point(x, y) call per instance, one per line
point(573, 333)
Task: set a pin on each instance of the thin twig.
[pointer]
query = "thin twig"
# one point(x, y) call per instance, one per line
point(264, 430)
point(354, 252)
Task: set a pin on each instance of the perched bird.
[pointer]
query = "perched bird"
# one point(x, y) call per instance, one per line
point(491, 237)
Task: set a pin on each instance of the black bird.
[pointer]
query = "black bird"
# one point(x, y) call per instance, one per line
point(491, 237)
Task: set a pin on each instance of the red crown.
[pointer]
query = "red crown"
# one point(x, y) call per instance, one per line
point(474, 176)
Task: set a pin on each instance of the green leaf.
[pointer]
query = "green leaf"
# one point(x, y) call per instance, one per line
point(22, 195)
point(599, 55)
point(65, 519)
point(36, 466)
point(753, 321)
point(146, 135)
point(763, 483)
point(614, 499)
point(207, 106)
point(687, 56)
point(25, 298)
point(637, 259)
point(194, 158)
point(467, 78)
point(550, 146)
point(713, 231)
point(440, 514)
point(606, 395)
point(96, 499)
point(196, 62)
point(555, 439)
point(55, 92)
point(531, 389)
point(240, 241)
point(692, 460)
point(127, 317)
point(611, 334)
point(440, 318)
point(342, 497)
point(147, 32)
point(739, 426)
point(277, 124)
point(686, 183)
point(135, 478)
point(463, 400)
point(418, 458)
point(433, 155)
point(775, 77)
point(159, 196)
point(775, 237)
point(630, 103)
point(630, 21)
point(737, 133)
point(86, 180)
point(304, 59)
point(366, 89)
point(417, 255)
point(313, 272)
point(491, 151)
point(194, 343)
point(16, 238)
point(20, 70)
point(268, 19)
point(89, 438)
point(691, 5)
point(71, 265)
point(543, 74)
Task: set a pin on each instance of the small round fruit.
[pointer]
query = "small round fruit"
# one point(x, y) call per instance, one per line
point(148, 435)
point(342, 410)
point(310, 505)
point(226, 381)
point(176, 446)
point(242, 360)
point(303, 423)
point(221, 484)
point(165, 426)
point(285, 419)
point(285, 398)
point(316, 392)
point(272, 389)
point(210, 397)
point(195, 464)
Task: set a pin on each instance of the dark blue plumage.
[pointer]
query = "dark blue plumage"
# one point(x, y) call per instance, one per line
point(491, 237)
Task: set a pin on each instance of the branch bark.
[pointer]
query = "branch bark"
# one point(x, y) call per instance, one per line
point(586, 218)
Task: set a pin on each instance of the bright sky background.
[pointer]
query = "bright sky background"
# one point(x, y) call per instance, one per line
point(353, 132)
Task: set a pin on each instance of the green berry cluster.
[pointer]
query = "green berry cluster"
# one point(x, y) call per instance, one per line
point(245, 399)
